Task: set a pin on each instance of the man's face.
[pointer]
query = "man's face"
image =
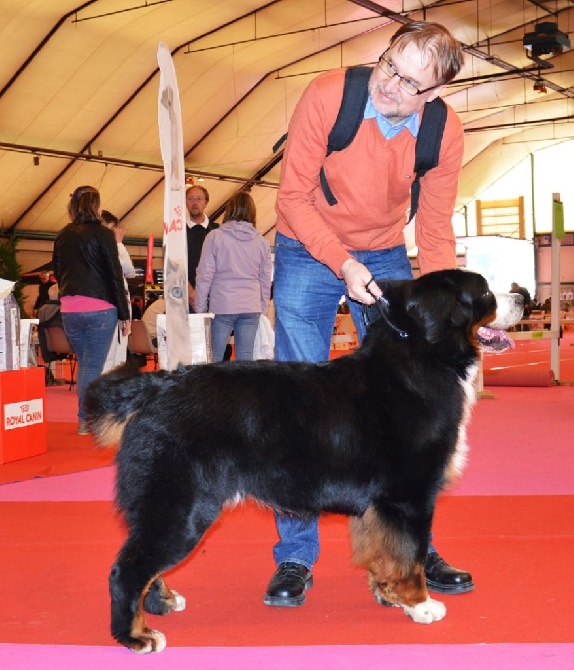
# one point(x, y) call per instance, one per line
point(387, 96)
point(195, 201)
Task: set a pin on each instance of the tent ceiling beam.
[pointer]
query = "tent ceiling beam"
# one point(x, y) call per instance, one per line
point(262, 38)
point(148, 4)
point(138, 165)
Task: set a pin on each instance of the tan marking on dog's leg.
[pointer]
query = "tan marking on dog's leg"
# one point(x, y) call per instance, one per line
point(411, 594)
point(148, 639)
point(393, 579)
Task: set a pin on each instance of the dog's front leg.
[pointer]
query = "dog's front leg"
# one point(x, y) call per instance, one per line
point(396, 578)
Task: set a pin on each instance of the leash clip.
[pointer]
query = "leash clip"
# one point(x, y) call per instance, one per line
point(383, 306)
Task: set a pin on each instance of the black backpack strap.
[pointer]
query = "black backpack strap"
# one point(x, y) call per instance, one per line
point(349, 117)
point(279, 142)
point(427, 147)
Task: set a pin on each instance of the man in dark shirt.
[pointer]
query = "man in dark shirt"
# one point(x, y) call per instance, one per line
point(198, 225)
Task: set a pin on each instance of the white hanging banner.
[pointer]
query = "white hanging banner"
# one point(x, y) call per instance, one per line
point(178, 341)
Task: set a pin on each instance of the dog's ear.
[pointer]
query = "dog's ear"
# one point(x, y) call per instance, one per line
point(438, 308)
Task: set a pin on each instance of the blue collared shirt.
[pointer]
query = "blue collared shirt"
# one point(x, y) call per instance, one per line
point(411, 123)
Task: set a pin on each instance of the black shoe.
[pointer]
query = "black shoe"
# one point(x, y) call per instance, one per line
point(443, 578)
point(288, 585)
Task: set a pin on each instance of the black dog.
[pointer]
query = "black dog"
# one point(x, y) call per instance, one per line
point(374, 435)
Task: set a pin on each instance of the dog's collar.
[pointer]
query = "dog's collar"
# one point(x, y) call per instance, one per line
point(383, 306)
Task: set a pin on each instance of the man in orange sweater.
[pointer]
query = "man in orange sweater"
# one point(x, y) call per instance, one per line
point(323, 251)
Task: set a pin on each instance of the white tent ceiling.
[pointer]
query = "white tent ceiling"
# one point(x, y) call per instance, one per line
point(79, 85)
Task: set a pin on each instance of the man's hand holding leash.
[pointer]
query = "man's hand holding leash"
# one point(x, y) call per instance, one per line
point(361, 285)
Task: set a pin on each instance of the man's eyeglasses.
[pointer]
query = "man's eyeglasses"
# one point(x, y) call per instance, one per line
point(195, 197)
point(406, 85)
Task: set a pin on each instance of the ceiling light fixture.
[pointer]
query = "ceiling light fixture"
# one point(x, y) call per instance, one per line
point(545, 40)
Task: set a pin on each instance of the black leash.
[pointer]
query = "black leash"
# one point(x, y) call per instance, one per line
point(383, 307)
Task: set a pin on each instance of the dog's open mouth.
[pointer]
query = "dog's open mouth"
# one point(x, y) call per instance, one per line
point(491, 339)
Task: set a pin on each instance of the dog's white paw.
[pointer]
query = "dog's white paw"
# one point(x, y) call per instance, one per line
point(154, 641)
point(180, 602)
point(159, 640)
point(427, 612)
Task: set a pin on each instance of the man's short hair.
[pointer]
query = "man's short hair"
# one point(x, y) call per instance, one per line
point(202, 188)
point(436, 41)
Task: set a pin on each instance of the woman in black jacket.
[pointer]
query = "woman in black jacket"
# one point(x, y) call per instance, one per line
point(91, 288)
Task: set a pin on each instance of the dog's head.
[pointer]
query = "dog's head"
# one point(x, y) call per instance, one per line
point(452, 305)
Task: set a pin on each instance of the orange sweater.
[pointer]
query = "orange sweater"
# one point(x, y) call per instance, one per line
point(371, 180)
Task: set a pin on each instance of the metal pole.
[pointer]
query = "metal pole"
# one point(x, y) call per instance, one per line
point(555, 293)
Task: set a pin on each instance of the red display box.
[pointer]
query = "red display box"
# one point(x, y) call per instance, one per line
point(23, 400)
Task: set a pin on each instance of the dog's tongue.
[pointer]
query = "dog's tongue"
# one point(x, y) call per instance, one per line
point(494, 340)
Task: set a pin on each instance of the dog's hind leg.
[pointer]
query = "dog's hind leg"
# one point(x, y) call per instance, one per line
point(128, 622)
point(131, 578)
point(127, 595)
point(156, 543)
point(396, 576)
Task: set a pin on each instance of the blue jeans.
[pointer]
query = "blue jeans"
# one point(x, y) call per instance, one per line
point(90, 334)
point(245, 327)
point(307, 295)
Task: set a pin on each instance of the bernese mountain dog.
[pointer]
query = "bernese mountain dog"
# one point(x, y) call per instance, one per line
point(374, 435)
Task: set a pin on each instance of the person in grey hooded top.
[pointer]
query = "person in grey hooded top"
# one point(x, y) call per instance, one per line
point(234, 278)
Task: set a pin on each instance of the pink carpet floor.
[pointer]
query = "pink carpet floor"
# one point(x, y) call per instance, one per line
point(387, 657)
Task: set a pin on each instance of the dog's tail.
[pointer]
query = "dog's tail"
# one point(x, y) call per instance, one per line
point(112, 399)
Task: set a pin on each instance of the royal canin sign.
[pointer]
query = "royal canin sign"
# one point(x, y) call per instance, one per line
point(23, 414)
